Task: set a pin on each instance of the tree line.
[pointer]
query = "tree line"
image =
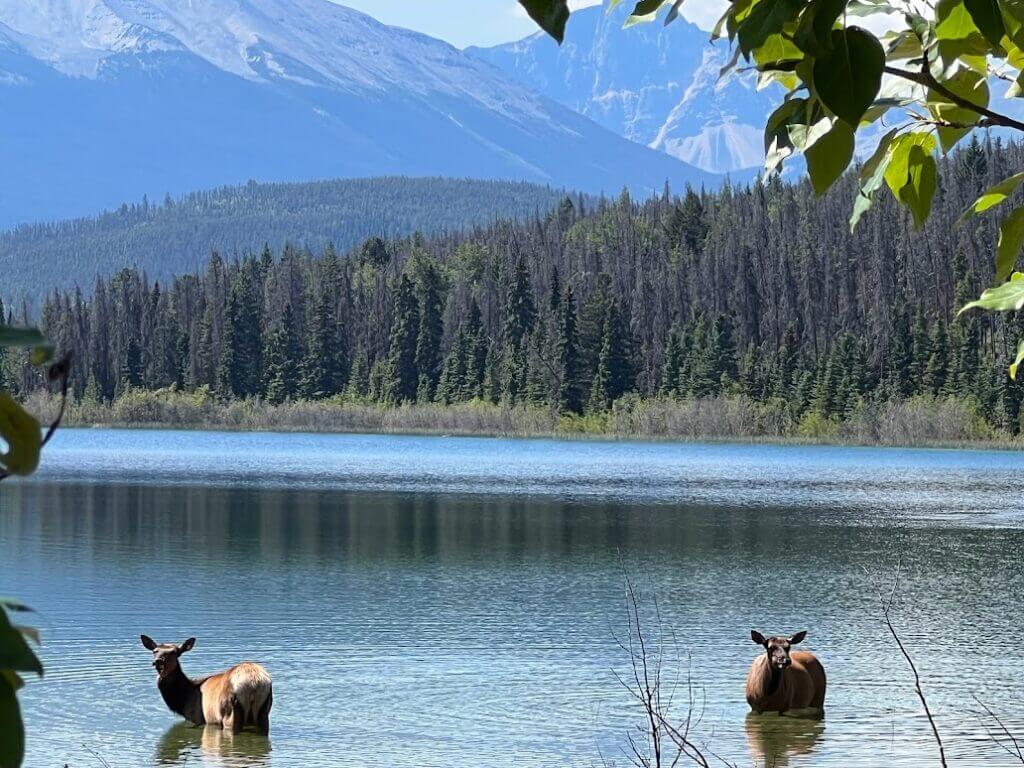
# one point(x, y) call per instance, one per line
point(176, 236)
point(758, 290)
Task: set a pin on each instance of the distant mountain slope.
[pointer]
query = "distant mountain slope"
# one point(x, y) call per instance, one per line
point(104, 100)
point(656, 86)
point(178, 236)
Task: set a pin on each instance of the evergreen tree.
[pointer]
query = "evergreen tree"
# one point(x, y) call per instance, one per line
point(401, 379)
point(241, 364)
point(283, 352)
point(672, 361)
point(938, 363)
point(570, 389)
point(431, 328)
point(358, 387)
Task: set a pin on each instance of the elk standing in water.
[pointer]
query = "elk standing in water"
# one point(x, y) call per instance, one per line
point(232, 699)
point(781, 681)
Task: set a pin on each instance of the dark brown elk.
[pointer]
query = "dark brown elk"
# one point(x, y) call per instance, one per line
point(232, 699)
point(781, 680)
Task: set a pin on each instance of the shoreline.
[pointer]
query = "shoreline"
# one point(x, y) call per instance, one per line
point(1004, 445)
point(921, 422)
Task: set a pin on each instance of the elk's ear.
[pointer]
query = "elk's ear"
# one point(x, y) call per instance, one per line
point(147, 642)
point(757, 637)
point(797, 638)
point(187, 645)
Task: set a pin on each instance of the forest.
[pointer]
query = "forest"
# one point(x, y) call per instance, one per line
point(177, 235)
point(758, 292)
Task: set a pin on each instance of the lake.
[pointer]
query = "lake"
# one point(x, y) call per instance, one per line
point(425, 601)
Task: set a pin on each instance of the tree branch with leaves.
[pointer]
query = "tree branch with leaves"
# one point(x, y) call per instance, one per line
point(926, 78)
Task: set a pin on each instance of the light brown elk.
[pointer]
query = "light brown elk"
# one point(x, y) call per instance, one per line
point(232, 699)
point(781, 680)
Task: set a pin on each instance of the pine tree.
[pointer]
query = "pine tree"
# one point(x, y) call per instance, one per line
point(401, 379)
point(570, 390)
point(938, 363)
point(452, 386)
point(520, 315)
point(358, 387)
point(240, 373)
point(922, 351)
point(130, 374)
point(672, 361)
point(283, 351)
point(431, 328)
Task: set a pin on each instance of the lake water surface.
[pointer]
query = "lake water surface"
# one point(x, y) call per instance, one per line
point(458, 602)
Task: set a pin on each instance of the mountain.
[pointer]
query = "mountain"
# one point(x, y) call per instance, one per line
point(105, 100)
point(655, 86)
point(177, 237)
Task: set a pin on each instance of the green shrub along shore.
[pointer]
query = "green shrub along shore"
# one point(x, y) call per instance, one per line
point(917, 421)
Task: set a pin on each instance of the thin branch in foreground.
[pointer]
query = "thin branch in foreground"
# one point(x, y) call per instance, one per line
point(660, 741)
point(886, 608)
point(1005, 732)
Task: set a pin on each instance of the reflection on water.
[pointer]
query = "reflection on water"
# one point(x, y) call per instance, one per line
point(775, 741)
point(428, 629)
point(183, 742)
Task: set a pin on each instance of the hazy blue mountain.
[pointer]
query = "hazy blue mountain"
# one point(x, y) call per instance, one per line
point(656, 86)
point(177, 236)
point(105, 100)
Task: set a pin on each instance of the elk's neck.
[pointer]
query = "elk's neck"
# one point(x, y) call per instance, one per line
point(181, 695)
point(774, 678)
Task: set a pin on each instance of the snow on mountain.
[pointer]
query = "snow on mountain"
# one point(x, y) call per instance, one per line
point(656, 86)
point(105, 100)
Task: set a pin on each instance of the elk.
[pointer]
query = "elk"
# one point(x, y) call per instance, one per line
point(232, 699)
point(783, 681)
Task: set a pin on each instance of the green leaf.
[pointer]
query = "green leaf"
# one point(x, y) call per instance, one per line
point(814, 32)
point(969, 85)
point(550, 15)
point(777, 143)
point(644, 11)
point(1011, 238)
point(23, 436)
point(988, 18)
point(847, 78)
point(1008, 297)
point(767, 18)
point(1017, 360)
point(994, 195)
point(910, 172)
point(14, 651)
point(953, 22)
point(12, 730)
point(872, 174)
point(919, 190)
point(828, 157)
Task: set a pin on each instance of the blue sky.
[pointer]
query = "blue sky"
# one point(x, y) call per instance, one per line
point(460, 22)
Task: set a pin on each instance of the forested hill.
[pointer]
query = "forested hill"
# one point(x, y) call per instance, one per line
point(760, 291)
point(178, 236)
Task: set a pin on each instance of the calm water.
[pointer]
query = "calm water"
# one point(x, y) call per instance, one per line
point(456, 602)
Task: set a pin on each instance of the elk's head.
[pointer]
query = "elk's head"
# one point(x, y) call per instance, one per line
point(777, 648)
point(165, 655)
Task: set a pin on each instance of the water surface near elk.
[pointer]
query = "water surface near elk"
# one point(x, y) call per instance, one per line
point(458, 602)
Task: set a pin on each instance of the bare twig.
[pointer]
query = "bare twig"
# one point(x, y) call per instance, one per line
point(660, 741)
point(1015, 752)
point(886, 607)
